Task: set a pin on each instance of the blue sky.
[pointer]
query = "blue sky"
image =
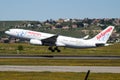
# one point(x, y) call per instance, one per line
point(54, 9)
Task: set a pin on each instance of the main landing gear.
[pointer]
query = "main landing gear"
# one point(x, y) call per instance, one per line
point(54, 49)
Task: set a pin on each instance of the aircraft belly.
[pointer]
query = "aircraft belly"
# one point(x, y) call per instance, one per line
point(79, 44)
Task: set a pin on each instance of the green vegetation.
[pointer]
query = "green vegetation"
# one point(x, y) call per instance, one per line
point(20, 47)
point(57, 62)
point(11, 48)
point(11, 24)
point(56, 76)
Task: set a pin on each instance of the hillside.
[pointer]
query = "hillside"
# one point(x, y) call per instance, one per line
point(68, 27)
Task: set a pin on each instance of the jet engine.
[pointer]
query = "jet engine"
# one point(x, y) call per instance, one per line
point(35, 42)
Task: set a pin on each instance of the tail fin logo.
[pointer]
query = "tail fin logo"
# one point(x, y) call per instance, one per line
point(102, 34)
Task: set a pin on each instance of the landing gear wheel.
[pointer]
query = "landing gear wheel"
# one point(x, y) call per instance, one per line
point(51, 49)
point(56, 48)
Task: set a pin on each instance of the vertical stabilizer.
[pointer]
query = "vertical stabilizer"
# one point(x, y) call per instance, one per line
point(104, 35)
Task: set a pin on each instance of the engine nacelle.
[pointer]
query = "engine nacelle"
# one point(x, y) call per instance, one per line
point(35, 42)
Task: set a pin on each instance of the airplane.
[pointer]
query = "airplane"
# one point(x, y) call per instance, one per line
point(54, 41)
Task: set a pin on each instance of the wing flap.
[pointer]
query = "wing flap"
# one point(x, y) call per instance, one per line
point(50, 41)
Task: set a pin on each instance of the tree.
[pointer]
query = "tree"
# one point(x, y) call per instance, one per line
point(19, 48)
point(118, 29)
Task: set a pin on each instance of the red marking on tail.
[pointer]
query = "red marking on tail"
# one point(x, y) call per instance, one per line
point(103, 33)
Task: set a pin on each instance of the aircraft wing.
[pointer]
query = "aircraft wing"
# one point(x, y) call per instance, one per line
point(50, 41)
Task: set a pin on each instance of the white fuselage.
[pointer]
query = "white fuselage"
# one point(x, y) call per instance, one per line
point(75, 42)
point(41, 38)
point(61, 40)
